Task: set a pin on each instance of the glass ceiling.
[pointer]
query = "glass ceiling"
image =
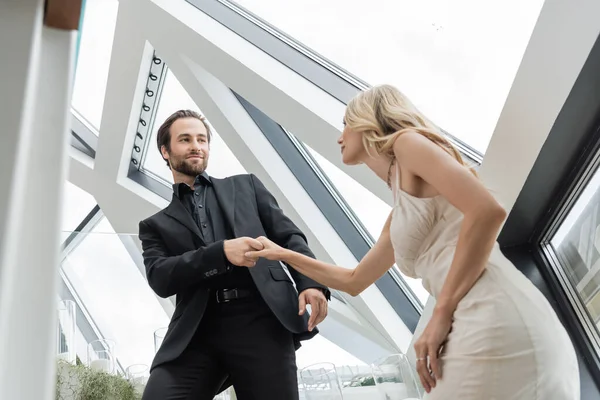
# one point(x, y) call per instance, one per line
point(93, 60)
point(456, 60)
point(370, 209)
point(174, 97)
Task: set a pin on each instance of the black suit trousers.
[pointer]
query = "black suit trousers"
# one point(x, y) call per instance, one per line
point(241, 340)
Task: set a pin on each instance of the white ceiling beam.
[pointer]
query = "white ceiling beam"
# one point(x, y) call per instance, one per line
point(129, 66)
point(311, 114)
point(560, 44)
point(130, 62)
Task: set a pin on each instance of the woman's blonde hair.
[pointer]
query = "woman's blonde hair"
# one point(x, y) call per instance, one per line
point(383, 113)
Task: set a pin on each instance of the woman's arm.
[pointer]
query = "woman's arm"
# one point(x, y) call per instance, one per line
point(483, 216)
point(374, 264)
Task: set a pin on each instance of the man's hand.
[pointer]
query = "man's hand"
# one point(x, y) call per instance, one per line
point(235, 250)
point(270, 250)
point(318, 306)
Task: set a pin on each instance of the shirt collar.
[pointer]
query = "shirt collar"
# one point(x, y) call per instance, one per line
point(202, 179)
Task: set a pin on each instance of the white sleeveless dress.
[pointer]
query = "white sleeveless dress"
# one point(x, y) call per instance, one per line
point(506, 341)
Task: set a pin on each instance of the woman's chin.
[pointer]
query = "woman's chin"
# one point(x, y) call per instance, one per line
point(350, 161)
point(347, 160)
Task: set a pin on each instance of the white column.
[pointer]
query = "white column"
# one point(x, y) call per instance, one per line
point(20, 23)
point(36, 85)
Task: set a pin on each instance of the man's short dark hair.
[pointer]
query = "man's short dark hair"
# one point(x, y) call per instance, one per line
point(163, 136)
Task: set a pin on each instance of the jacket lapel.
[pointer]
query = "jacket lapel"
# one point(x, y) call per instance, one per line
point(177, 210)
point(225, 193)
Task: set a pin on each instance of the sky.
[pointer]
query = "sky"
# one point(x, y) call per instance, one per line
point(456, 60)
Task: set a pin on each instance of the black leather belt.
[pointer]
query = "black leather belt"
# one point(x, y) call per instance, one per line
point(227, 295)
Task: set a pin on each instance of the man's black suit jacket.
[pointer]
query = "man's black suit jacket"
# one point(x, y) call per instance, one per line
point(178, 261)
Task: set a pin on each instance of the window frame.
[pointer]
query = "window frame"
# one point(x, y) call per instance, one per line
point(565, 164)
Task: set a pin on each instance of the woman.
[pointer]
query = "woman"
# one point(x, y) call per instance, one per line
point(492, 335)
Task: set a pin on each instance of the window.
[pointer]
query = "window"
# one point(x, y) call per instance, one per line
point(455, 60)
point(370, 210)
point(319, 349)
point(174, 97)
point(577, 245)
point(93, 59)
point(116, 295)
point(77, 204)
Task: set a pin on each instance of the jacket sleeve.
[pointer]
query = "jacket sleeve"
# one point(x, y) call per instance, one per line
point(280, 229)
point(167, 274)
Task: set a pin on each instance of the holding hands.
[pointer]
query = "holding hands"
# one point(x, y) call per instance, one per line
point(269, 250)
point(237, 250)
point(245, 251)
point(265, 248)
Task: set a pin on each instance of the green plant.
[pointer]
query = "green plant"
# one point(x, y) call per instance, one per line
point(79, 382)
point(368, 381)
point(361, 380)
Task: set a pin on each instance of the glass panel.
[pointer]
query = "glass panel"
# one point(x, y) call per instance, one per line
point(370, 209)
point(354, 375)
point(114, 292)
point(577, 244)
point(174, 97)
point(456, 60)
point(93, 59)
point(77, 204)
point(319, 349)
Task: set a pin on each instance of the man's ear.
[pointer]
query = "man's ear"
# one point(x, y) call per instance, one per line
point(164, 152)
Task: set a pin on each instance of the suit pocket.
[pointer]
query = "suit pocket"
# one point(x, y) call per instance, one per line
point(278, 274)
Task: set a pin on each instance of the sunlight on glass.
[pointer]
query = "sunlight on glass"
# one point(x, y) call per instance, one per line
point(77, 204)
point(370, 209)
point(222, 161)
point(93, 61)
point(319, 349)
point(115, 293)
point(585, 200)
point(455, 59)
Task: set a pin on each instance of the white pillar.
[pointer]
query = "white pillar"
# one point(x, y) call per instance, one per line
point(20, 24)
point(35, 82)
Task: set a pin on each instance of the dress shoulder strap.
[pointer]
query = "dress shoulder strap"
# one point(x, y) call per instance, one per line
point(398, 177)
point(397, 181)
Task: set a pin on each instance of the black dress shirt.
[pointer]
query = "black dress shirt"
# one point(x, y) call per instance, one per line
point(204, 208)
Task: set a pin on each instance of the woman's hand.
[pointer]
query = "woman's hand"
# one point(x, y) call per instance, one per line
point(270, 251)
point(429, 345)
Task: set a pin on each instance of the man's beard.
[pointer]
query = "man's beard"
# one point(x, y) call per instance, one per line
point(183, 166)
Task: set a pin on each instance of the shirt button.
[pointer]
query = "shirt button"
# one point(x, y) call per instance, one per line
point(200, 205)
point(204, 225)
point(197, 194)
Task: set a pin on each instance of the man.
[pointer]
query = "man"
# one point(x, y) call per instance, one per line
point(237, 320)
